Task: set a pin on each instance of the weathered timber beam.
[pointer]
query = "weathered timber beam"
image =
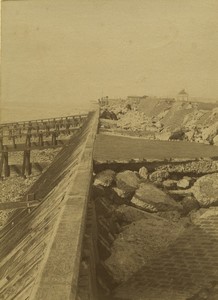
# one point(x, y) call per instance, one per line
point(18, 205)
point(46, 145)
point(43, 131)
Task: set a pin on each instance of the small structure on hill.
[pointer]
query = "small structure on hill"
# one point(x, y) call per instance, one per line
point(183, 96)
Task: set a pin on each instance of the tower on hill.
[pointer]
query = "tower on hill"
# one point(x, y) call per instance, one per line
point(182, 96)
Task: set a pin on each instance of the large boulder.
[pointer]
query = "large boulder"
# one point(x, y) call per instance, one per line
point(149, 198)
point(138, 243)
point(129, 214)
point(189, 204)
point(205, 190)
point(127, 181)
point(104, 178)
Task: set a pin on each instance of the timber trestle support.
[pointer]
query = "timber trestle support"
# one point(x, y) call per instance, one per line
point(35, 135)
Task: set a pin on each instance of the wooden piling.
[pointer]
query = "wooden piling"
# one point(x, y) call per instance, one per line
point(54, 140)
point(1, 142)
point(5, 164)
point(20, 132)
point(10, 134)
point(28, 140)
point(41, 143)
point(47, 129)
point(14, 142)
point(26, 168)
point(29, 197)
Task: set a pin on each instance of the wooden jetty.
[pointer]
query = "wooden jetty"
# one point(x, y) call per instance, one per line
point(31, 135)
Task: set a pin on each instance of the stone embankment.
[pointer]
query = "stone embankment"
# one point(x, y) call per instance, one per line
point(142, 213)
point(162, 120)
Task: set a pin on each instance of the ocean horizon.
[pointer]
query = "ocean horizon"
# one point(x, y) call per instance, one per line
point(14, 112)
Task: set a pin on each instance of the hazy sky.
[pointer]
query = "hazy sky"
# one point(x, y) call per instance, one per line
point(77, 50)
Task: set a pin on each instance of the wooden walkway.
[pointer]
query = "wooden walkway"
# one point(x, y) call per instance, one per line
point(35, 135)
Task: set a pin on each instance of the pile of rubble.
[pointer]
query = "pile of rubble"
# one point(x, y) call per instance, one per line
point(140, 213)
point(174, 121)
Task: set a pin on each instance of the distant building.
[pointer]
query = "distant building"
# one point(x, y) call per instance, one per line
point(183, 96)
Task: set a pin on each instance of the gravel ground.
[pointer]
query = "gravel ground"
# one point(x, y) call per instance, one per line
point(14, 187)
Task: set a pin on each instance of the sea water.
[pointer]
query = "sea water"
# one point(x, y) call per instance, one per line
point(23, 111)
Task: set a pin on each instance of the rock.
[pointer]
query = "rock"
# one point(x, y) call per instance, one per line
point(143, 172)
point(120, 193)
point(189, 204)
point(177, 135)
point(164, 136)
point(210, 132)
point(103, 206)
point(104, 178)
point(172, 216)
point(127, 181)
point(190, 135)
point(183, 183)
point(108, 115)
point(143, 205)
point(205, 190)
point(129, 214)
point(204, 166)
point(215, 140)
point(159, 175)
point(138, 244)
point(169, 184)
point(100, 191)
point(150, 198)
point(208, 292)
point(196, 215)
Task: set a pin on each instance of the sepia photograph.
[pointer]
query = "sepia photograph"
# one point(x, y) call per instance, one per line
point(109, 150)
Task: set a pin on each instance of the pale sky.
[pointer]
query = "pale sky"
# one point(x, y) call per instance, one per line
point(78, 50)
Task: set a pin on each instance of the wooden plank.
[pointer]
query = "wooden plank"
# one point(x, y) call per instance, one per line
point(18, 205)
point(42, 131)
point(22, 147)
